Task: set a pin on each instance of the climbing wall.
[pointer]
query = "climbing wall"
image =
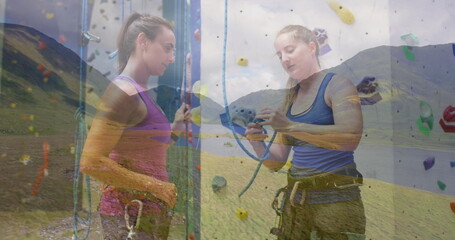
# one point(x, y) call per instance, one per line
point(401, 63)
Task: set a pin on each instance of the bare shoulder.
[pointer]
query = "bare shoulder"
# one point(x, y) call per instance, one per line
point(125, 86)
point(340, 84)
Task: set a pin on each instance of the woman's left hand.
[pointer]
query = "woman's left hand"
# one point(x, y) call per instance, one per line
point(274, 118)
point(183, 114)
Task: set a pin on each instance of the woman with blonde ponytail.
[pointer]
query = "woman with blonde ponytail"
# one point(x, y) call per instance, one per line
point(321, 120)
point(127, 143)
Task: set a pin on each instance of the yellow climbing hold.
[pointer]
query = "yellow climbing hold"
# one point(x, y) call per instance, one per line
point(241, 213)
point(72, 149)
point(345, 15)
point(13, 105)
point(36, 134)
point(29, 89)
point(200, 90)
point(14, 62)
point(242, 62)
point(31, 128)
point(45, 79)
point(25, 159)
point(196, 115)
point(50, 15)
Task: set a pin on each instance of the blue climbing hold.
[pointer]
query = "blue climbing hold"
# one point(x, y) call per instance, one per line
point(452, 164)
point(429, 163)
point(218, 183)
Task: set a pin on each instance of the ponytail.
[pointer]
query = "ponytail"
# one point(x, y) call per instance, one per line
point(136, 23)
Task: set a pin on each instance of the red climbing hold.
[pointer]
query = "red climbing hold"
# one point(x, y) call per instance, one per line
point(41, 45)
point(41, 67)
point(47, 73)
point(449, 114)
point(198, 167)
point(452, 206)
point(191, 236)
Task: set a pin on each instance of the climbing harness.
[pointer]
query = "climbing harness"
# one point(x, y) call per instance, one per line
point(131, 228)
point(228, 115)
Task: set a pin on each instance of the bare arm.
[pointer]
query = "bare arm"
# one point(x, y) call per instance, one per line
point(279, 152)
point(115, 110)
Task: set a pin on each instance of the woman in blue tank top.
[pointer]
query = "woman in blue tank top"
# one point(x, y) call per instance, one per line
point(321, 120)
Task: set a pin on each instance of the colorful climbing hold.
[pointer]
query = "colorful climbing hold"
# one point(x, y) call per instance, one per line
point(370, 100)
point(196, 116)
point(449, 114)
point(442, 185)
point(31, 128)
point(241, 213)
point(429, 163)
point(62, 38)
point(409, 55)
point(448, 119)
point(218, 183)
point(198, 167)
point(242, 62)
point(47, 73)
point(426, 119)
point(368, 85)
point(200, 90)
point(410, 39)
point(343, 13)
point(452, 206)
point(113, 54)
point(28, 117)
point(13, 105)
point(25, 159)
point(452, 164)
point(321, 36)
point(453, 48)
point(72, 149)
point(41, 45)
point(41, 67)
point(50, 15)
point(191, 236)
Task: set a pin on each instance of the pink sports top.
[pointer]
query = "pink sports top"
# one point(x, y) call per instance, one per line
point(141, 149)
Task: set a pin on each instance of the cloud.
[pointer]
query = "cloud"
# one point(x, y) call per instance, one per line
point(252, 26)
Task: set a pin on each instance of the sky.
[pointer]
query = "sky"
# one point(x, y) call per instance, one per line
point(253, 24)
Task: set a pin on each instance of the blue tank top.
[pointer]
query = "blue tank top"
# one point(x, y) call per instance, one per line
point(308, 156)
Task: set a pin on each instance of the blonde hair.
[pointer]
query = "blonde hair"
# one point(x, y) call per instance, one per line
point(304, 34)
point(136, 23)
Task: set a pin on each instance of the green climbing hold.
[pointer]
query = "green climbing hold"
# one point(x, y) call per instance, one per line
point(426, 119)
point(442, 185)
point(409, 55)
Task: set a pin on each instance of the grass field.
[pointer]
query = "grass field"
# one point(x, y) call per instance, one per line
point(393, 212)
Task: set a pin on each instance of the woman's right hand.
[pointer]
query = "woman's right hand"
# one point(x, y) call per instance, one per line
point(254, 132)
point(168, 194)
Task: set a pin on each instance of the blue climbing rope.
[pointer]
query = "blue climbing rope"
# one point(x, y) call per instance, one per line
point(228, 115)
point(81, 133)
